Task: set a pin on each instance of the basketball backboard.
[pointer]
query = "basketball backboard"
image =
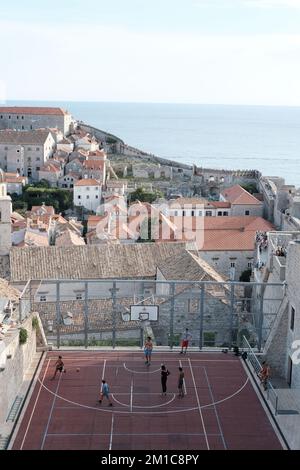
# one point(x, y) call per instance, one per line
point(144, 312)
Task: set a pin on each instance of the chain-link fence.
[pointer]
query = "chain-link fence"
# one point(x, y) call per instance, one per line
point(97, 312)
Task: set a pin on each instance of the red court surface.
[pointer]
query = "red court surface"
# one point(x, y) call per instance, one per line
point(219, 411)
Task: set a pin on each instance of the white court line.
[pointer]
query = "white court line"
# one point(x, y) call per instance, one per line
point(184, 386)
point(35, 403)
point(103, 372)
point(88, 358)
point(111, 431)
point(131, 395)
point(183, 410)
point(199, 405)
point(145, 406)
point(140, 372)
point(132, 434)
point(216, 412)
point(51, 411)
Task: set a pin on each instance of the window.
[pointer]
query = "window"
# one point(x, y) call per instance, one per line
point(31, 127)
point(219, 212)
point(96, 188)
point(8, 117)
point(37, 149)
point(225, 213)
point(232, 264)
point(292, 324)
point(38, 159)
point(23, 128)
point(22, 117)
point(29, 149)
point(43, 298)
point(1, 117)
point(88, 197)
point(78, 296)
point(193, 305)
point(175, 213)
point(247, 212)
point(38, 168)
point(17, 117)
point(250, 265)
point(97, 197)
point(192, 213)
point(78, 197)
point(5, 148)
point(200, 213)
point(18, 151)
point(183, 213)
point(208, 213)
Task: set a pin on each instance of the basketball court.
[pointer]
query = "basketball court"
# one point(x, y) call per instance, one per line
point(220, 409)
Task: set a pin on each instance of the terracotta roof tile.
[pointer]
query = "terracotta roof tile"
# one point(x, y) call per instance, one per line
point(239, 196)
point(32, 110)
point(87, 182)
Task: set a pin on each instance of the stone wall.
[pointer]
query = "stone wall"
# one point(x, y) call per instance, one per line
point(221, 261)
point(293, 283)
point(12, 377)
point(32, 122)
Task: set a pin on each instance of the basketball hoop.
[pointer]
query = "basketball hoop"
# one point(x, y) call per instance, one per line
point(143, 316)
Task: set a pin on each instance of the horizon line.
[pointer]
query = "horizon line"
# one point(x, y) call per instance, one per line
point(5, 103)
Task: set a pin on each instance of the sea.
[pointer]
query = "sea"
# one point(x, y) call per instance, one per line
point(266, 138)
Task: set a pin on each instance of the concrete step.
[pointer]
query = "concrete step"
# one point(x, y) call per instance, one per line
point(3, 442)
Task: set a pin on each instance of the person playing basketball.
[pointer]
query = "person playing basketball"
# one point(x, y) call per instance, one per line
point(186, 337)
point(148, 347)
point(105, 393)
point(59, 366)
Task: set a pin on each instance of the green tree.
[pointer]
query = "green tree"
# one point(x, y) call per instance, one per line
point(145, 196)
point(250, 187)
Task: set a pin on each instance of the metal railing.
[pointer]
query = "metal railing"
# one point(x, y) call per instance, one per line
point(256, 365)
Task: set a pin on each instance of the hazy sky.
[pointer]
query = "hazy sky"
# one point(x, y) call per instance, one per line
point(191, 51)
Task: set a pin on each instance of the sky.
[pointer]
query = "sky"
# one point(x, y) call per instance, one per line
point(169, 51)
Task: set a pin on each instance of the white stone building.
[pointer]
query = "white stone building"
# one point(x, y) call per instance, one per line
point(87, 194)
point(5, 217)
point(197, 207)
point(25, 152)
point(15, 183)
point(31, 118)
point(51, 172)
point(226, 243)
point(68, 181)
point(242, 202)
point(117, 187)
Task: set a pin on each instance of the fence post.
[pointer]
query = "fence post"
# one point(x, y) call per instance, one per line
point(58, 314)
point(86, 313)
point(172, 315)
point(231, 313)
point(202, 293)
point(114, 300)
point(261, 321)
